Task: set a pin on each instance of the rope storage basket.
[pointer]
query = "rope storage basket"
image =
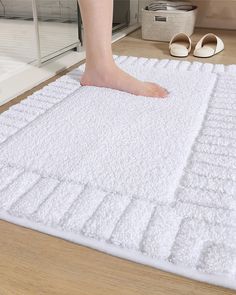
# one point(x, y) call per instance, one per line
point(162, 25)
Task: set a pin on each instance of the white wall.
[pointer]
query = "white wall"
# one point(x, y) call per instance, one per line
point(142, 4)
point(134, 6)
point(216, 13)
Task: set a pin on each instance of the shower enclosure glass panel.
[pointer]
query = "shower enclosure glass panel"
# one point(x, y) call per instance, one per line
point(34, 31)
point(57, 26)
point(17, 37)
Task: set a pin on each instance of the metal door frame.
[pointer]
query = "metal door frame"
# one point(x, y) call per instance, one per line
point(37, 35)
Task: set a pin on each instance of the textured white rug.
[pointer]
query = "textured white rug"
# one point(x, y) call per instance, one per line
point(145, 179)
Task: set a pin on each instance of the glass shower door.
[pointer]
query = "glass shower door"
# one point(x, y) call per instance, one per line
point(56, 27)
point(17, 37)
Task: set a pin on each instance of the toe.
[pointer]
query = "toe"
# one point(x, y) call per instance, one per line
point(162, 92)
point(159, 92)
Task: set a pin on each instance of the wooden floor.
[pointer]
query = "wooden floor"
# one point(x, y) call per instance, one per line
point(33, 263)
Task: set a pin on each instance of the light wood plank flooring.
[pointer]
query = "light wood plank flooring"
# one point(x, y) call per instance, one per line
point(33, 263)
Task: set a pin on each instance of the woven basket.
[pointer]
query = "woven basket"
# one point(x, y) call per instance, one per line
point(163, 25)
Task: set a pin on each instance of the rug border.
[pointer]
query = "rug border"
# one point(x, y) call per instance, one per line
point(130, 255)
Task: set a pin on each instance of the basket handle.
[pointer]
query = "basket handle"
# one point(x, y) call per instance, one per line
point(158, 18)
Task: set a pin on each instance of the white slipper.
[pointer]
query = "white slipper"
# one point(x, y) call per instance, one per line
point(208, 46)
point(180, 45)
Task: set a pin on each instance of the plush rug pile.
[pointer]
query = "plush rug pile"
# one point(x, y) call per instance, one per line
point(150, 180)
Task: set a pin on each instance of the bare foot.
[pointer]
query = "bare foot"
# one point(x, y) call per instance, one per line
point(115, 78)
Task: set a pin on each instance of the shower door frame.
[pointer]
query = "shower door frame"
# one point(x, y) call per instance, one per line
point(75, 46)
point(36, 32)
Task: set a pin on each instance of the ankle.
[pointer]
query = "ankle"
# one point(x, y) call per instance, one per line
point(105, 66)
point(96, 75)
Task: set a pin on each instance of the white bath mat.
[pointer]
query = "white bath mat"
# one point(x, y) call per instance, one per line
point(146, 179)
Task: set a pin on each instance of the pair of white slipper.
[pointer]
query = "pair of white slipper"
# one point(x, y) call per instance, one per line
point(209, 45)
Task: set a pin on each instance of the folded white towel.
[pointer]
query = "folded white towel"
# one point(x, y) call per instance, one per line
point(170, 5)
